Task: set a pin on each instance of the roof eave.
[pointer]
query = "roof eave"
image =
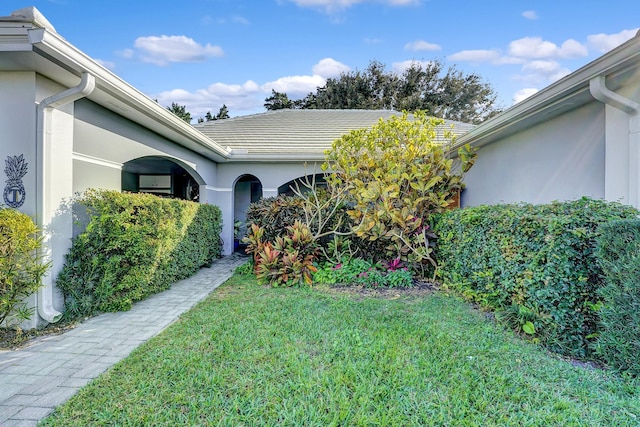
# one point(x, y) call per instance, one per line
point(276, 157)
point(550, 100)
point(117, 95)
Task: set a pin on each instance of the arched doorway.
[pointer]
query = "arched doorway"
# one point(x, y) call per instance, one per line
point(161, 176)
point(317, 179)
point(246, 190)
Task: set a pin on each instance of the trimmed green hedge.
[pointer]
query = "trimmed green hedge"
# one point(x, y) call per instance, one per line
point(618, 252)
point(534, 265)
point(135, 245)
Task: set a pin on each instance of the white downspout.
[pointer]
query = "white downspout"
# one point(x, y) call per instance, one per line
point(43, 111)
point(599, 90)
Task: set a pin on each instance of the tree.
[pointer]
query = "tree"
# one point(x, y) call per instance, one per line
point(443, 93)
point(223, 113)
point(397, 175)
point(277, 101)
point(180, 111)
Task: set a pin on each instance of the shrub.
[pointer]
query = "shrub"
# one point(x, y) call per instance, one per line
point(534, 265)
point(618, 253)
point(21, 267)
point(135, 245)
point(288, 261)
point(274, 214)
point(397, 174)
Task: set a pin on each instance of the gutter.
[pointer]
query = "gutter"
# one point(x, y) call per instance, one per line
point(599, 90)
point(43, 145)
point(139, 108)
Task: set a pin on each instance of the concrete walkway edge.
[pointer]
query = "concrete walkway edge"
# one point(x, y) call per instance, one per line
point(49, 370)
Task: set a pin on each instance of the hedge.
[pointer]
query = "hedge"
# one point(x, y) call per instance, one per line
point(534, 265)
point(618, 251)
point(135, 245)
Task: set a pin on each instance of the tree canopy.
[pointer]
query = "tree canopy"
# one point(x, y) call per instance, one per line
point(441, 92)
point(223, 113)
point(180, 111)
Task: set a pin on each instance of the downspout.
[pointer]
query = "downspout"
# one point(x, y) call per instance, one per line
point(43, 145)
point(599, 90)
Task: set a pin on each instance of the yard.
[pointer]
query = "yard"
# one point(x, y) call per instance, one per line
point(254, 355)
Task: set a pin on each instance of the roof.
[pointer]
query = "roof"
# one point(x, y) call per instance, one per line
point(295, 134)
point(572, 91)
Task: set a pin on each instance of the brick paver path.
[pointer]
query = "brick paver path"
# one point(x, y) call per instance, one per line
point(51, 369)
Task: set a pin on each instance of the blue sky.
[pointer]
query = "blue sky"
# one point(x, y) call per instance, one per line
point(205, 53)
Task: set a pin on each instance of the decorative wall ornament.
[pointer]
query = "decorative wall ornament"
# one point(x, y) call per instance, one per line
point(14, 192)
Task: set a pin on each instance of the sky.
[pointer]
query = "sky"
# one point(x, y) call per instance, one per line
point(206, 53)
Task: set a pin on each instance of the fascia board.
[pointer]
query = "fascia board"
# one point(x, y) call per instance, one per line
point(277, 157)
point(548, 99)
point(157, 117)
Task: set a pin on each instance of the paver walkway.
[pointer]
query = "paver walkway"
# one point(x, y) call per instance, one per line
point(51, 369)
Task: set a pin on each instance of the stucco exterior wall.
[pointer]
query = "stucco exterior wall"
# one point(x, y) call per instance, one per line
point(271, 174)
point(18, 129)
point(108, 137)
point(560, 159)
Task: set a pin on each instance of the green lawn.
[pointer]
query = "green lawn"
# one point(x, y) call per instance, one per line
point(253, 356)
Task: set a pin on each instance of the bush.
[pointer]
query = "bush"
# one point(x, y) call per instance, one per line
point(618, 252)
point(534, 265)
point(287, 261)
point(135, 245)
point(274, 214)
point(21, 268)
point(397, 174)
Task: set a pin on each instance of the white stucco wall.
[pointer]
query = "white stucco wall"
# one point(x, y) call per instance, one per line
point(18, 129)
point(17, 137)
point(105, 136)
point(271, 174)
point(560, 159)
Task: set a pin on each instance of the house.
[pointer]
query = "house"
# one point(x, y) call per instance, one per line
point(69, 124)
point(578, 137)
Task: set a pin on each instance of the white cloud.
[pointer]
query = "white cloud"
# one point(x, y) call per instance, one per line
point(478, 55)
point(238, 98)
point(331, 6)
point(240, 20)
point(400, 67)
point(530, 14)
point(106, 64)
point(542, 72)
point(127, 53)
point(329, 67)
point(523, 94)
point(532, 47)
point(422, 45)
point(605, 42)
point(536, 48)
point(248, 98)
point(163, 50)
point(295, 87)
point(572, 49)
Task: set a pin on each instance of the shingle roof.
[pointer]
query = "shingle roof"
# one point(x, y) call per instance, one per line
point(300, 132)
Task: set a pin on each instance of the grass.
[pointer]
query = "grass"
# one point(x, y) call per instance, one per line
point(255, 356)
